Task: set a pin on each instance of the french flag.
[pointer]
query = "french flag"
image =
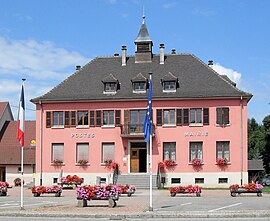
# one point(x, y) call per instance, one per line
point(20, 130)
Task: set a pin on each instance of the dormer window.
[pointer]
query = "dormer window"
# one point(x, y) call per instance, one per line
point(139, 84)
point(169, 83)
point(111, 85)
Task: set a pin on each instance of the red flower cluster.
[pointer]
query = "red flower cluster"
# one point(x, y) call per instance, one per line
point(111, 164)
point(185, 189)
point(222, 161)
point(44, 189)
point(196, 162)
point(167, 164)
point(71, 179)
point(234, 186)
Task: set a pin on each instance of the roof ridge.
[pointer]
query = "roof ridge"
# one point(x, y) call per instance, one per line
point(219, 75)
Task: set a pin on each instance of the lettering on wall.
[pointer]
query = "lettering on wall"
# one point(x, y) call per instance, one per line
point(82, 135)
point(196, 134)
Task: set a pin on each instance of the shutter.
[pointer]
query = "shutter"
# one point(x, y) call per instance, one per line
point(179, 117)
point(73, 119)
point(92, 118)
point(186, 116)
point(98, 118)
point(48, 119)
point(82, 151)
point(159, 117)
point(219, 116)
point(126, 122)
point(226, 119)
point(118, 118)
point(67, 119)
point(205, 116)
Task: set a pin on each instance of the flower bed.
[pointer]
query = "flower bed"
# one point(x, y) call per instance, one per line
point(109, 192)
point(38, 190)
point(3, 188)
point(71, 180)
point(127, 189)
point(222, 161)
point(246, 188)
point(196, 190)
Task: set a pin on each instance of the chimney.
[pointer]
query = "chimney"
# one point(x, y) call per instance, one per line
point(210, 63)
point(161, 47)
point(78, 67)
point(124, 55)
point(173, 51)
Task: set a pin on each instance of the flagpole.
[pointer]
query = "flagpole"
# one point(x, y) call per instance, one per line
point(150, 164)
point(22, 170)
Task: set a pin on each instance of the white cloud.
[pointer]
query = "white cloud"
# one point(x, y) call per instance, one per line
point(41, 63)
point(233, 75)
point(169, 5)
point(203, 12)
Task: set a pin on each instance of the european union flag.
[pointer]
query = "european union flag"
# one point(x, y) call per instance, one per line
point(147, 127)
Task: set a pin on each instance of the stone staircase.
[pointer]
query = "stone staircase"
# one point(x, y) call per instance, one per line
point(140, 181)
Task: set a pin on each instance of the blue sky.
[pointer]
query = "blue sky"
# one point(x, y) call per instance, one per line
point(43, 41)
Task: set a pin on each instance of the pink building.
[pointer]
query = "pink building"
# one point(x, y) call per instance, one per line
point(97, 115)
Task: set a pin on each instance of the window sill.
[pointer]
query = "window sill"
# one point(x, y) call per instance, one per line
point(82, 165)
point(109, 92)
point(108, 126)
point(58, 127)
point(196, 125)
point(139, 92)
point(168, 125)
point(82, 127)
point(58, 164)
point(169, 91)
point(223, 125)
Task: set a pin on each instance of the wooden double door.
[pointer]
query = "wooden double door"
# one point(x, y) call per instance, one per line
point(138, 158)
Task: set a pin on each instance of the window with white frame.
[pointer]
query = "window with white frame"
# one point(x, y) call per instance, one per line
point(139, 86)
point(169, 151)
point(82, 152)
point(195, 150)
point(223, 150)
point(110, 87)
point(107, 152)
point(169, 86)
point(57, 153)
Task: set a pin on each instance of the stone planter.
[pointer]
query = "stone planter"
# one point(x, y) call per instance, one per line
point(239, 191)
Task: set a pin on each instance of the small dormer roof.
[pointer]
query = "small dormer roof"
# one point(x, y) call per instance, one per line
point(139, 78)
point(110, 79)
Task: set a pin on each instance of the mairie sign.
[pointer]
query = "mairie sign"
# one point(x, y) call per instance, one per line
point(196, 134)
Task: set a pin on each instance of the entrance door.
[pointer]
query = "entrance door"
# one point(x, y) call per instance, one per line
point(138, 158)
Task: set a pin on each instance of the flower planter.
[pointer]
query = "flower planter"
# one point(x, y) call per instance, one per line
point(196, 190)
point(38, 190)
point(3, 188)
point(70, 181)
point(87, 193)
point(127, 189)
point(246, 188)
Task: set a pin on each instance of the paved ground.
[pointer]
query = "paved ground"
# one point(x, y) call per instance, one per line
point(211, 203)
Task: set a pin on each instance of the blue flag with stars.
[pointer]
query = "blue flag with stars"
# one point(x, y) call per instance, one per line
point(147, 127)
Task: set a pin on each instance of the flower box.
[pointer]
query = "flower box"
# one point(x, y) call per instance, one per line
point(246, 188)
point(71, 181)
point(196, 190)
point(109, 192)
point(127, 189)
point(38, 190)
point(3, 188)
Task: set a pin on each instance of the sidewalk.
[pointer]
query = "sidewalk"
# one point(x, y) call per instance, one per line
point(137, 206)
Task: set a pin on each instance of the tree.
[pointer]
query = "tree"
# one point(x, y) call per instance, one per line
point(266, 155)
point(256, 141)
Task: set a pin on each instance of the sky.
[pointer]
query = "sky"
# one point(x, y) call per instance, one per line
point(44, 40)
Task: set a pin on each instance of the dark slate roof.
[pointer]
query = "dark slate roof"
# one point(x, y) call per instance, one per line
point(143, 35)
point(255, 165)
point(10, 148)
point(196, 80)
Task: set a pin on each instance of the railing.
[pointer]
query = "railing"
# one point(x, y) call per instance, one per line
point(133, 129)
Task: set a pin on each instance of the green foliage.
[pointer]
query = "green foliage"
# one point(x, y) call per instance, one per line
point(266, 154)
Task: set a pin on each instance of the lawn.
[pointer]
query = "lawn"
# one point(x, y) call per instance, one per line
point(266, 189)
